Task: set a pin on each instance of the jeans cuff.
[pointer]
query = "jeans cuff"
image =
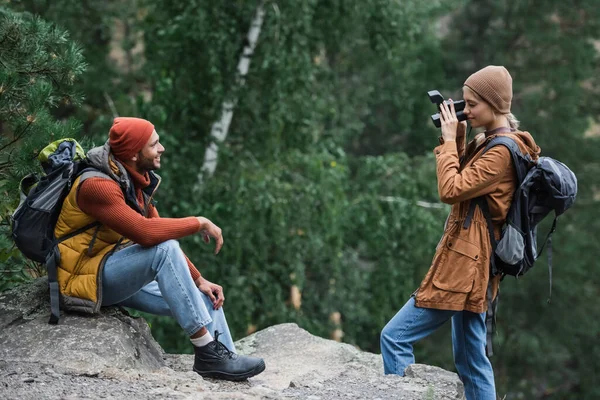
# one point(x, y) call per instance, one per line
point(199, 326)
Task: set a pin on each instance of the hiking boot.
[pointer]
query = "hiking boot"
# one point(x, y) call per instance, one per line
point(215, 360)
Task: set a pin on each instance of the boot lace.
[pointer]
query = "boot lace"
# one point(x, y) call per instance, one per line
point(221, 348)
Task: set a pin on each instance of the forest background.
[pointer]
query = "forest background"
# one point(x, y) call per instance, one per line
point(325, 183)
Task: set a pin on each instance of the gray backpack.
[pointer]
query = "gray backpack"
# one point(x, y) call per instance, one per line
point(545, 186)
point(42, 197)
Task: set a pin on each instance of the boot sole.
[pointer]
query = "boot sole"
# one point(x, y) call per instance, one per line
point(232, 377)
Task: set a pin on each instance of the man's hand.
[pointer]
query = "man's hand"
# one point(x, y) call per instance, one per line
point(212, 290)
point(208, 230)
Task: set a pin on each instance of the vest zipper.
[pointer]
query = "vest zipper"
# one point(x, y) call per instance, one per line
point(150, 198)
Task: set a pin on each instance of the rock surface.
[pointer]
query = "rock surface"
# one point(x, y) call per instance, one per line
point(113, 355)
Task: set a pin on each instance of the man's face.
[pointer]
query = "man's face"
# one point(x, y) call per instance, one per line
point(149, 157)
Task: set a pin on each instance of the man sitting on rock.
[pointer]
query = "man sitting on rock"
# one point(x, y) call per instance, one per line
point(132, 258)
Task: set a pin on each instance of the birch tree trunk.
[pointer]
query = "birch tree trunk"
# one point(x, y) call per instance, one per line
point(220, 128)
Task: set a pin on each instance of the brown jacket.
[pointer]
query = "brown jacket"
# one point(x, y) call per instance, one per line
point(459, 274)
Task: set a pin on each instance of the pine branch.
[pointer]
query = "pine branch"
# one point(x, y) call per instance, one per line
point(17, 138)
point(3, 38)
point(45, 71)
point(8, 162)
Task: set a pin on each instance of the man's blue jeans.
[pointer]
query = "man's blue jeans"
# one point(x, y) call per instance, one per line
point(411, 324)
point(157, 280)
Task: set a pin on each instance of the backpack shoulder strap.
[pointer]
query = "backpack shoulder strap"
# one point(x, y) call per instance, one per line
point(520, 161)
point(90, 172)
point(52, 262)
point(520, 167)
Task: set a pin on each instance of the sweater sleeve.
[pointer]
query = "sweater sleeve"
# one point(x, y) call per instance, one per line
point(104, 200)
point(153, 213)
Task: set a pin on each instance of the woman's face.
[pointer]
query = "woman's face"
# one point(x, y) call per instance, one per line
point(477, 110)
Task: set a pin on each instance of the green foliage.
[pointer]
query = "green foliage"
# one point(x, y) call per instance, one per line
point(192, 51)
point(38, 68)
point(92, 24)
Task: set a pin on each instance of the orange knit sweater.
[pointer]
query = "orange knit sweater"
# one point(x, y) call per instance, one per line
point(103, 199)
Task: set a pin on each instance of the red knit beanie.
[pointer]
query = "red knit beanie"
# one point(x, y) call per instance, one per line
point(494, 85)
point(128, 136)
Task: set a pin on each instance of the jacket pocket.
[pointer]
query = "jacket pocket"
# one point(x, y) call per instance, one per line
point(457, 270)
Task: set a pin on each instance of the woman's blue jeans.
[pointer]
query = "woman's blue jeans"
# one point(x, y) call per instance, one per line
point(412, 324)
point(157, 280)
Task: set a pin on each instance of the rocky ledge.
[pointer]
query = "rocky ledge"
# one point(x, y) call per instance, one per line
point(113, 355)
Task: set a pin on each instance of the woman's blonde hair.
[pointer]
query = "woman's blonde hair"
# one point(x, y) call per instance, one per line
point(513, 122)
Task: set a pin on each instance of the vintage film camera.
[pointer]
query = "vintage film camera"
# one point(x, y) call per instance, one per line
point(437, 99)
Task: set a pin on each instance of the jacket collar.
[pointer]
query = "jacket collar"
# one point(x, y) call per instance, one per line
point(102, 159)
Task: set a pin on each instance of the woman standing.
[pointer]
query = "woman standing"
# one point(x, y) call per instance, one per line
point(458, 284)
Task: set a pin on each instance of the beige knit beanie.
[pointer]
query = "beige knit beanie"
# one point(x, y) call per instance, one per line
point(493, 84)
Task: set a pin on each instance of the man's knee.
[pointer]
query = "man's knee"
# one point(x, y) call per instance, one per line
point(170, 252)
point(169, 247)
point(170, 244)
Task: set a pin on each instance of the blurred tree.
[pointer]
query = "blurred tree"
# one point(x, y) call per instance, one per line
point(113, 46)
point(220, 128)
point(38, 68)
point(291, 187)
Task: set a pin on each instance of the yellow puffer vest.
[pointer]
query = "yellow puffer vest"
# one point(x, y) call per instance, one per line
point(82, 256)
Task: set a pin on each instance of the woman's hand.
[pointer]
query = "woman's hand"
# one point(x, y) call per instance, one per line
point(449, 122)
point(212, 290)
point(208, 230)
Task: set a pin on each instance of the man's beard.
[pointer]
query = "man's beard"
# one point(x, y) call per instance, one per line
point(145, 163)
